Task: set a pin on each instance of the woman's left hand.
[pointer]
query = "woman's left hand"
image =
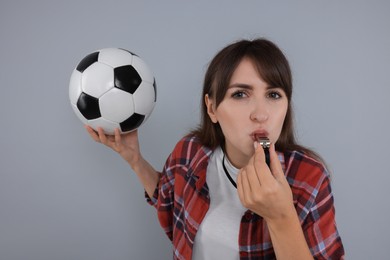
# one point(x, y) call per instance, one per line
point(265, 190)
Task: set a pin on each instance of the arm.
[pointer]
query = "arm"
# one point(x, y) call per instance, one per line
point(320, 227)
point(127, 146)
point(288, 239)
point(268, 194)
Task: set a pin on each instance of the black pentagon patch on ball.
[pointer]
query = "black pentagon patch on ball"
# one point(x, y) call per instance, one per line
point(87, 61)
point(132, 122)
point(127, 78)
point(88, 106)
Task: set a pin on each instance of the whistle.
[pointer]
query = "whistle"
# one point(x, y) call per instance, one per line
point(265, 143)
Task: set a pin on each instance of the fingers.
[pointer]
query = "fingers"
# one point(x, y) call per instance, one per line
point(267, 174)
point(100, 136)
point(258, 157)
point(92, 133)
point(244, 187)
point(252, 173)
point(261, 188)
point(240, 188)
point(248, 181)
point(117, 136)
point(262, 170)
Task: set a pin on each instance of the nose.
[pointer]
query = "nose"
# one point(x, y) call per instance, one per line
point(259, 111)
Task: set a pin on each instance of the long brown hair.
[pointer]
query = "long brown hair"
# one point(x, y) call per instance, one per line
point(272, 66)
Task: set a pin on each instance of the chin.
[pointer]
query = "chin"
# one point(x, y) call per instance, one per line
point(250, 151)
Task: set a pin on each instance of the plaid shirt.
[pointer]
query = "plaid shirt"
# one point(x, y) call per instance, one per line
point(182, 200)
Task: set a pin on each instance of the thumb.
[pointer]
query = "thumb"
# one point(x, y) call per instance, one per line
point(258, 157)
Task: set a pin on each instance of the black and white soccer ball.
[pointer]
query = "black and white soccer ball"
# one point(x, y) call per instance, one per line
point(112, 88)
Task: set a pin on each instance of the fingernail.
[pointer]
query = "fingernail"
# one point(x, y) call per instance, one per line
point(255, 144)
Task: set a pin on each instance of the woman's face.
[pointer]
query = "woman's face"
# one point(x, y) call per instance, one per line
point(250, 107)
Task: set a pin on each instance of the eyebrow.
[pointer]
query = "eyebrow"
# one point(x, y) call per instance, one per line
point(247, 86)
point(240, 85)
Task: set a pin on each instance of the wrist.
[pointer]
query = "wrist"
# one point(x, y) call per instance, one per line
point(286, 220)
point(288, 238)
point(136, 161)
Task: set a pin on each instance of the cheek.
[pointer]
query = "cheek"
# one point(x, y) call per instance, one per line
point(231, 121)
point(282, 113)
point(226, 114)
point(279, 121)
point(227, 122)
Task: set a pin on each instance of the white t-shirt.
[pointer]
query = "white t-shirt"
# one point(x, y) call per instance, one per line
point(217, 237)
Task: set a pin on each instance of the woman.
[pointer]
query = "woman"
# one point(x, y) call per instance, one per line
point(282, 211)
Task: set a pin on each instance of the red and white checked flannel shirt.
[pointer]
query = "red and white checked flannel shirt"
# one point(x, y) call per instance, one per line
point(182, 200)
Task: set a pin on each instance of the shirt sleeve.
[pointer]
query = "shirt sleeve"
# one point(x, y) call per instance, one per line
point(320, 226)
point(153, 200)
point(163, 197)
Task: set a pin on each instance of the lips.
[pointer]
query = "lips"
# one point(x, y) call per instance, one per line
point(258, 134)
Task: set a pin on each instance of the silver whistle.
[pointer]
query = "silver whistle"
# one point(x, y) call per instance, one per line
point(264, 142)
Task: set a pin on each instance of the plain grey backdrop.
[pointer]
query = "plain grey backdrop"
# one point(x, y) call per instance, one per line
point(63, 196)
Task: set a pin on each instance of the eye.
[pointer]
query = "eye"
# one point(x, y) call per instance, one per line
point(275, 95)
point(239, 94)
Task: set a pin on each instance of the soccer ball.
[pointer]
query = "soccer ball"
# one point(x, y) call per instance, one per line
point(112, 88)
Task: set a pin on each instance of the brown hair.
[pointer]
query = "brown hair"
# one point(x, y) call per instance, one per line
point(274, 69)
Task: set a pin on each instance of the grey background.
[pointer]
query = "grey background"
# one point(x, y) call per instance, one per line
point(63, 196)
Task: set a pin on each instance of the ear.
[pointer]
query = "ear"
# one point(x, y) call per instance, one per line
point(210, 108)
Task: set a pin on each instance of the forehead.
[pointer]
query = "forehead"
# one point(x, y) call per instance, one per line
point(246, 73)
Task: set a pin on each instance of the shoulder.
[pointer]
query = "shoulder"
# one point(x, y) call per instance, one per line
point(189, 148)
point(303, 167)
point(307, 177)
point(309, 181)
point(188, 143)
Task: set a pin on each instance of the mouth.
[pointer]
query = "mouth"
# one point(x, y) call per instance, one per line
point(259, 135)
point(262, 139)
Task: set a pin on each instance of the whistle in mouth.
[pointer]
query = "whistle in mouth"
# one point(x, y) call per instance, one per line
point(265, 143)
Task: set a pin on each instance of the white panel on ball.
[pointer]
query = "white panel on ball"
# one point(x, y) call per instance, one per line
point(143, 69)
point(75, 87)
point(115, 57)
point(144, 98)
point(97, 79)
point(116, 105)
point(106, 125)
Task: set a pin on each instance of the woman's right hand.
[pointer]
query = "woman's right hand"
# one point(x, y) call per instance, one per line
point(126, 145)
